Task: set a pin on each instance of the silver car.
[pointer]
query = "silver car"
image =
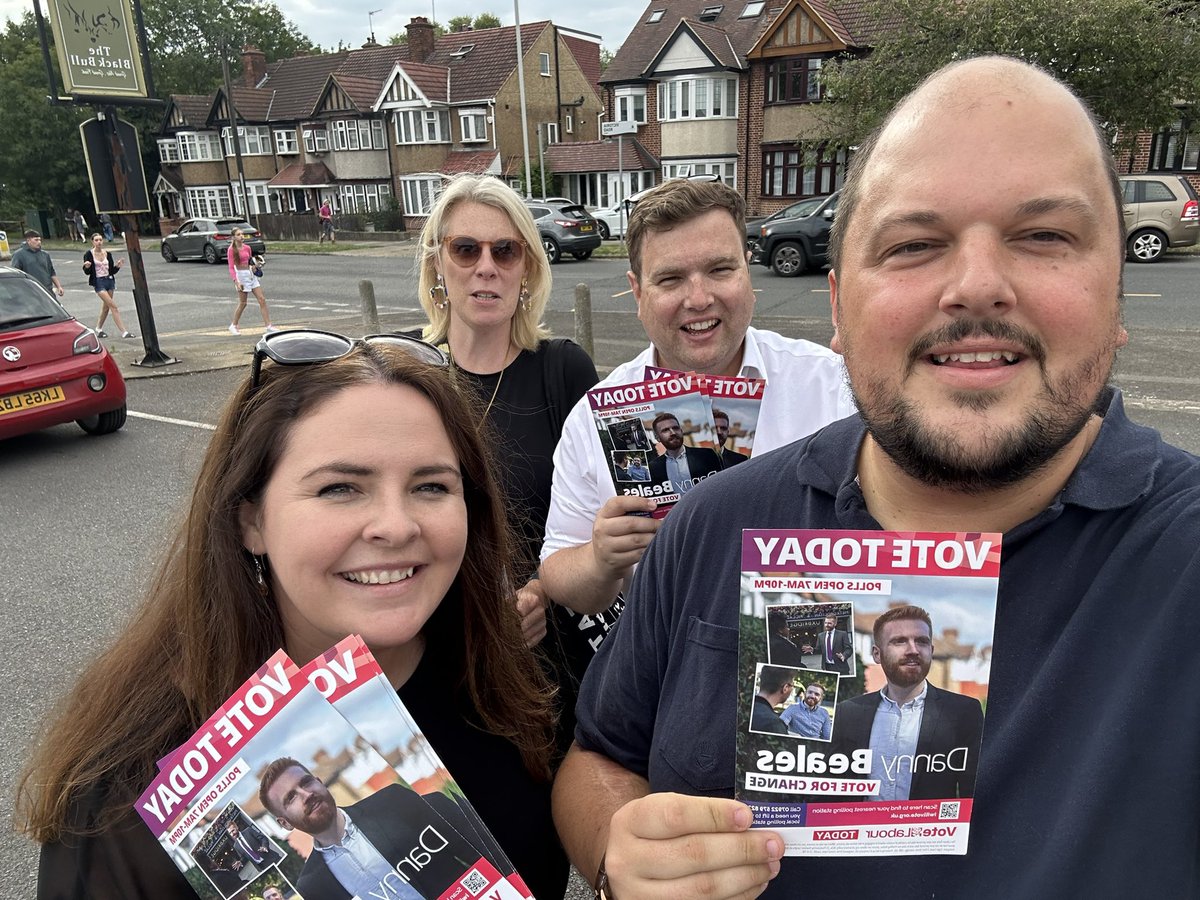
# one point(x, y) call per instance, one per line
point(209, 240)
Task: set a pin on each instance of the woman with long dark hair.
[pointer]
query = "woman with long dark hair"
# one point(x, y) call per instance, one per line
point(346, 490)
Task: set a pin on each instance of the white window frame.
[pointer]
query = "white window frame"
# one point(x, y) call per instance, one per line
point(255, 140)
point(708, 97)
point(361, 197)
point(168, 151)
point(260, 201)
point(420, 193)
point(626, 100)
point(285, 142)
point(208, 202)
point(199, 146)
point(544, 65)
point(422, 126)
point(551, 133)
point(569, 123)
point(681, 168)
point(472, 125)
point(316, 140)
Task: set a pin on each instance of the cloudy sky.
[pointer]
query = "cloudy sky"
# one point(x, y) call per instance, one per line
point(327, 22)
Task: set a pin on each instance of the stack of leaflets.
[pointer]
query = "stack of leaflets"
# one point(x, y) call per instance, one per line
point(863, 667)
point(316, 781)
point(663, 435)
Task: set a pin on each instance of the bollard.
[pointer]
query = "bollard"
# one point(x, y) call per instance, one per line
point(366, 295)
point(583, 319)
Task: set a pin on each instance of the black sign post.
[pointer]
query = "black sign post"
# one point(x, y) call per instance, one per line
point(103, 57)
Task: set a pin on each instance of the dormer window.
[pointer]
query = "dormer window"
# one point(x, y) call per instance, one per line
point(710, 12)
point(753, 8)
point(655, 16)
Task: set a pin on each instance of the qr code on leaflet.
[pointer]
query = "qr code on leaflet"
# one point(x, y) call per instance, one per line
point(475, 882)
point(948, 810)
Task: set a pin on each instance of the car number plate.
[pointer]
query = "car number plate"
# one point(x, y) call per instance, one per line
point(585, 227)
point(29, 399)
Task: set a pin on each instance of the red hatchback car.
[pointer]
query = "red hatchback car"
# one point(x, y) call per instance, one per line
point(52, 369)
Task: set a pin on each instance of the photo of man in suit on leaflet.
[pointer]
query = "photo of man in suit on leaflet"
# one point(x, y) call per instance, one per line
point(395, 842)
point(924, 741)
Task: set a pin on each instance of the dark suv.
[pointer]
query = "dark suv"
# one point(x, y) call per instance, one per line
point(789, 246)
point(565, 228)
point(1160, 212)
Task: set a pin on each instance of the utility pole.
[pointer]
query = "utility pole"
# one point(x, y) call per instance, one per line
point(521, 91)
point(233, 129)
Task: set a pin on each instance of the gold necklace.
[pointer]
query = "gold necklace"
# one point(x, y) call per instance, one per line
point(495, 390)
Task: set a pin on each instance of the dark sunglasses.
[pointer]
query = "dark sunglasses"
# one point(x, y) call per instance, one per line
point(465, 251)
point(307, 346)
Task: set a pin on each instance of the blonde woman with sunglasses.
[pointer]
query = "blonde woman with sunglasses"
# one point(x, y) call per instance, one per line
point(484, 283)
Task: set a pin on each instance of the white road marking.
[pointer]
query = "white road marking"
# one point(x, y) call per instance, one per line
point(169, 421)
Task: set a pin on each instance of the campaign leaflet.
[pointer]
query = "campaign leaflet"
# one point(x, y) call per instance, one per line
point(278, 738)
point(642, 423)
point(734, 403)
point(348, 676)
point(863, 668)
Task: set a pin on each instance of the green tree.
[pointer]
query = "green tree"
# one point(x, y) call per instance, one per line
point(1133, 61)
point(486, 20)
point(606, 56)
point(41, 166)
point(187, 39)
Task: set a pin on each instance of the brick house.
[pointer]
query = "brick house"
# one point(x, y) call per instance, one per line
point(361, 127)
point(724, 88)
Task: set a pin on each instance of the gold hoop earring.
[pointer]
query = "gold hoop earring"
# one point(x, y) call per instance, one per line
point(526, 303)
point(437, 293)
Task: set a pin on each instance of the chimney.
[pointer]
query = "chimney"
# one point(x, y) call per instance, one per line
point(466, 26)
point(420, 39)
point(254, 65)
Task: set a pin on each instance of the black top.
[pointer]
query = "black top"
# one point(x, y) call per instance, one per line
point(526, 429)
point(514, 806)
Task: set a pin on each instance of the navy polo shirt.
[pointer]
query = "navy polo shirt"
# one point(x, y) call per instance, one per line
point(1089, 775)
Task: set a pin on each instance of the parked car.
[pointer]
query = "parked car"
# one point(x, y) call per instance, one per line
point(209, 239)
point(796, 210)
point(565, 228)
point(1161, 211)
point(790, 246)
point(52, 368)
point(611, 220)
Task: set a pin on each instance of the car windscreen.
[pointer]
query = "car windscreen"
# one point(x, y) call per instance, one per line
point(23, 304)
point(575, 212)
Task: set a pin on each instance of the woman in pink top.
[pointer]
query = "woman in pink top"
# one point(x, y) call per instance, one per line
point(240, 270)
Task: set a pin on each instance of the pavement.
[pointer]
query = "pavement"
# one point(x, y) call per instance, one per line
point(206, 350)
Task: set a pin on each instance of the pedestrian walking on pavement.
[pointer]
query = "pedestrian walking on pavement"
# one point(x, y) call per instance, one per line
point(34, 261)
point(102, 267)
point(81, 225)
point(242, 270)
point(325, 214)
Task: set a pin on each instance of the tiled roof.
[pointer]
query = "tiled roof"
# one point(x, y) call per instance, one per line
point(474, 161)
point(645, 41)
point(431, 80)
point(253, 104)
point(856, 18)
point(718, 43)
point(492, 60)
point(587, 54)
point(598, 156)
point(374, 62)
point(193, 107)
point(361, 90)
point(298, 82)
point(303, 175)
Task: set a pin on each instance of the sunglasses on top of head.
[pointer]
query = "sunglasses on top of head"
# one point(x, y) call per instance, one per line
point(465, 251)
point(308, 346)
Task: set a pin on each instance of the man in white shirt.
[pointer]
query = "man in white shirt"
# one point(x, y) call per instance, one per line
point(690, 278)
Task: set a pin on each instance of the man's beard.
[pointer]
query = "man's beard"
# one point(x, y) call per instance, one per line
point(1055, 417)
point(903, 677)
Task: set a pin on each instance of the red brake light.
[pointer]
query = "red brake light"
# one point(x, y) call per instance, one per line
point(566, 223)
point(1191, 211)
point(221, 237)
